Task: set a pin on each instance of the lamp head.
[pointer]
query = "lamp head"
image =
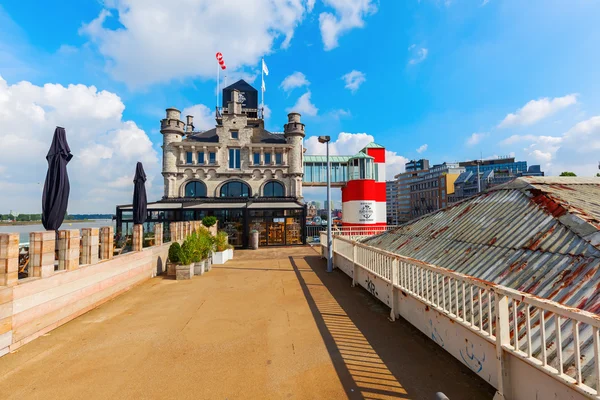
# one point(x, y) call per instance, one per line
point(324, 139)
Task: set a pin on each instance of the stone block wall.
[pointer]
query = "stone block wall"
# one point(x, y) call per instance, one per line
point(42, 249)
point(138, 237)
point(68, 249)
point(107, 240)
point(9, 259)
point(90, 241)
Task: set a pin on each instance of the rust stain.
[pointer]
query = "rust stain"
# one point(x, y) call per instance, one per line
point(548, 203)
point(439, 232)
point(426, 308)
point(535, 241)
point(463, 212)
point(493, 241)
point(407, 241)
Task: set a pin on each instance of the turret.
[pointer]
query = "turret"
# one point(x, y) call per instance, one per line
point(189, 126)
point(294, 135)
point(172, 129)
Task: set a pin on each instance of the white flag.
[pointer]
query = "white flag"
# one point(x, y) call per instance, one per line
point(264, 67)
point(263, 87)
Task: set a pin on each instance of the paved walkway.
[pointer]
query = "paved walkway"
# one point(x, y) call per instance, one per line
point(270, 324)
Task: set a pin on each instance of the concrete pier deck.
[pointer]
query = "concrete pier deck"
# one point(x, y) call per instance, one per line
point(270, 324)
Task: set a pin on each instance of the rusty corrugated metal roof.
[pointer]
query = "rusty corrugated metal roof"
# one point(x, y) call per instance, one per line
point(537, 235)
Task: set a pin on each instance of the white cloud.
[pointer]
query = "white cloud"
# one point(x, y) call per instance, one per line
point(484, 2)
point(204, 117)
point(422, 148)
point(536, 110)
point(304, 106)
point(105, 147)
point(348, 14)
point(152, 41)
point(575, 150)
point(295, 80)
point(352, 143)
point(267, 112)
point(475, 138)
point(418, 54)
point(353, 80)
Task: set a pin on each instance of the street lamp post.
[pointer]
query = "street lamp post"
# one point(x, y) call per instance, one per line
point(326, 140)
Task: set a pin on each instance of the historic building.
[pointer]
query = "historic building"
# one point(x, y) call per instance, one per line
point(431, 191)
point(246, 176)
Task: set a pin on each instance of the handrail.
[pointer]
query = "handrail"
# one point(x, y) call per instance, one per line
point(520, 323)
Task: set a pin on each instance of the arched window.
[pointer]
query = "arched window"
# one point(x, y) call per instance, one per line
point(274, 189)
point(195, 189)
point(235, 189)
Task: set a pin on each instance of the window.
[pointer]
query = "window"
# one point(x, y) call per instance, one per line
point(267, 158)
point(195, 189)
point(274, 189)
point(188, 157)
point(234, 158)
point(200, 157)
point(212, 157)
point(278, 158)
point(235, 135)
point(256, 158)
point(235, 189)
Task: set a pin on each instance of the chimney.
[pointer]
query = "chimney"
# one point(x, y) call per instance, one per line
point(190, 124)
point(234, 106)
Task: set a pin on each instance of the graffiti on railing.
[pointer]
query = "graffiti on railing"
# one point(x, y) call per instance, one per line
point(435, 336)
point(371, 286)
point(471, 360)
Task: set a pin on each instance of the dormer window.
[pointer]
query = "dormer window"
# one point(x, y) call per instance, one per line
point(235, 134)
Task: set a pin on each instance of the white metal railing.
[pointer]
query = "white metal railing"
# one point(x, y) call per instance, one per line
point(358, 232)
point(562, 341)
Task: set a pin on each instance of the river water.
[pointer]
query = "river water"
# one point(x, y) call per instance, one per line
point(23, 230)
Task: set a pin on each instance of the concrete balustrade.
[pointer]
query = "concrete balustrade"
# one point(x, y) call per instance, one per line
point(30, 308)
point(158, 234)
point(42, 248)
point(9, 259)
point(89, 245)
point(107, 240)
point(68, 249)
point(138, 237)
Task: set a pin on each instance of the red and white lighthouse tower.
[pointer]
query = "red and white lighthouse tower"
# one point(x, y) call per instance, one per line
point(363, 197)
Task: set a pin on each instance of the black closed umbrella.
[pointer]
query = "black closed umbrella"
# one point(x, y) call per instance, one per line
point(140, 202)
point(55, 197)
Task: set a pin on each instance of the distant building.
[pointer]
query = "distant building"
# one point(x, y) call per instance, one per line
point(534, 170)
point(430, 191)
point(506, 163)
point(414, 171)
point(392, 202)
point(416, 165)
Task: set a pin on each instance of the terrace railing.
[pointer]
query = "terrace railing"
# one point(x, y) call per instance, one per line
point(560, 341)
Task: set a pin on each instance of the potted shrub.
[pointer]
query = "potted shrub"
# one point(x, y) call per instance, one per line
point(207, 245)
point(196, 253)
point(210, 224)
point(174, 251)
point(222, 249)
point(185, 266)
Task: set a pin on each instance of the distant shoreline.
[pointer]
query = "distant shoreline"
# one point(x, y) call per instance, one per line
point(22, 223)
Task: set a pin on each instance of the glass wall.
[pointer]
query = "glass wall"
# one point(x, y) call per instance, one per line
point(277, 227)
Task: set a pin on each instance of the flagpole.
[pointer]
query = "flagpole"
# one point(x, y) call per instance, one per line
point(218, 78)
point(262, 87)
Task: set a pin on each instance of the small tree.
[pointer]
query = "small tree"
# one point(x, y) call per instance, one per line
point(209, 221)
point(598, 175)
point(174, 252)
point(567, 173)
point(324, 217)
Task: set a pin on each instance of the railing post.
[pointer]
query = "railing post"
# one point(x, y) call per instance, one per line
point(107, 240)
point(393, 292)
point(89, 246)
point(158, 234)
point(138, 237)
point(68, 249)
point(354, 265)
point(502, 338)
point(42, 246)
point(9, 259)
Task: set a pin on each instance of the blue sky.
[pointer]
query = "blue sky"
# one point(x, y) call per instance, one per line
point(446, 80)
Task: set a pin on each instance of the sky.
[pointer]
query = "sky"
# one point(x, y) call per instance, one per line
point(446, 80)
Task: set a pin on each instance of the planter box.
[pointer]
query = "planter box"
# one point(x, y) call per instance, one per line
point(200, 267)
point(184, 272)
point(230, 254)
point(220, 257)
point(171, 269)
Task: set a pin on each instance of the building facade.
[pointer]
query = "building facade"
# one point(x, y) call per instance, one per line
point(504, 164)
point(392, 202)
point(416, 165)
point(430, 191)
point(246, 176)
point(414, 171)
